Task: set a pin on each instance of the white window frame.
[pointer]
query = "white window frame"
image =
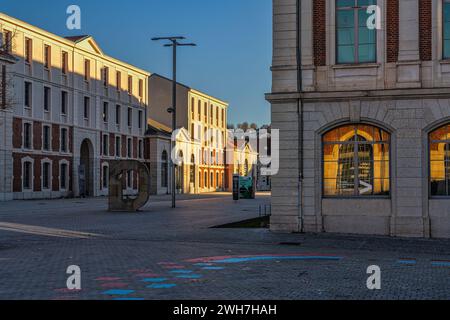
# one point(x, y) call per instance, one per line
point(67, 140)
point(66, 187)
point(49, 137)
point(31, 135)
point(50, 178)
point(30, 160)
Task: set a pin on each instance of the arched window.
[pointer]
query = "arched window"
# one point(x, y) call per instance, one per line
point(440, 162)
point(356, 162)
point(164, 170)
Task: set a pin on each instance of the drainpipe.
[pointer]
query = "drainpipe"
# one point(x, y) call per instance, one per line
point(300, 113)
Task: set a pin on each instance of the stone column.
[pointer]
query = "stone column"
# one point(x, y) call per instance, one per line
point(408, 69)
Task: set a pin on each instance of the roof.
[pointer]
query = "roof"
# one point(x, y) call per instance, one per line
point(156, 128)
point(77, 38)
point(195, 91)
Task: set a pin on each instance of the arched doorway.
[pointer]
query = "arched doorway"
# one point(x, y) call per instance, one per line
point(86, 169)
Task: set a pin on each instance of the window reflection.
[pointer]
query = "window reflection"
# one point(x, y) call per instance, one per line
point(440, 161)
point(356, 161)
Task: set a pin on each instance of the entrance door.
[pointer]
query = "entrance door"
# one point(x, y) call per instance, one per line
point(86, 171)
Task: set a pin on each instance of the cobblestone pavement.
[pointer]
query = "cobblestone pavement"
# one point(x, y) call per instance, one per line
point(161, 253)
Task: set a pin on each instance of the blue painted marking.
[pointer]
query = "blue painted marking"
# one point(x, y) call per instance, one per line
point(128, 299)
point(440, 264)
point(154, 279)
point(181, 271)
point(267, 258)
point(190, 276)
point(213, 268)
point(407, 262)
point(118, 292)
point(162, 286)
point(202, 264)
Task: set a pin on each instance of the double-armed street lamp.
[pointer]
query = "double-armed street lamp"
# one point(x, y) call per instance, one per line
point(174, 43)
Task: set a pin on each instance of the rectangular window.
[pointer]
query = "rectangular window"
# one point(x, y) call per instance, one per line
point(140, 149)
point(28, 94)
point(63, 175)
point(28, 50)
point(105, 144)
point(130, 85)
point(129, 148)
point(211, 115)
point(446, 31)
point(47, 56)
point(87, 70)
point(63, 140)
point(141, 88)
point(105, 177)
point(46, 138)
point(118, 81)
point(199, 110)
point(27, 172)
point(7, 45)
point(140, 119)
point(27, 132)
point(118, 146)
point(129, 179)
point(87, 103)
point(118, 115)
point(105, 76)
point(105, 112)
point(46, 176)
point(64, 62)
point(130, 117)
point(355, 42)
point(64, 101)
point(47, 96)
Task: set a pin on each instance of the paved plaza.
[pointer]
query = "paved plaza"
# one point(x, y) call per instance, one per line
point(162, 253)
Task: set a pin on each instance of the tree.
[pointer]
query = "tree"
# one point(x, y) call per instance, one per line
point(6, 79)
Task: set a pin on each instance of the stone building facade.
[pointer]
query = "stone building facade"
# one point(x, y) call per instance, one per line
point(364, 117)
point(74, 109)
point(201, 140)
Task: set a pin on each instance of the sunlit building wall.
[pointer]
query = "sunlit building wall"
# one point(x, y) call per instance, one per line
point(363, 109)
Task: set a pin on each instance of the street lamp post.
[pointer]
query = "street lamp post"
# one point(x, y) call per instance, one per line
point(174, 43)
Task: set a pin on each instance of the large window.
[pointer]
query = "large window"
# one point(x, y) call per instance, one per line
point(446, 31)
point(355, 42)
point(356, 162)
point(440, 161)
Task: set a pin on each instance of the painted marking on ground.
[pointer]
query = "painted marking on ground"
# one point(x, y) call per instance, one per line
point(154, 280)
point(213, 268)
point(162, 286)
point(118, 292)
point(181, 271)
point(108, 279)
point(247, 258)
point(114, 285)
point(190, 276)
point(441, 263)
point(407, 261)
point(128, 299)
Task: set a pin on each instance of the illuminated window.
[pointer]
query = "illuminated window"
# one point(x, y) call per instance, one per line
point(355, 42)
point(356, 162)
point(440, 161)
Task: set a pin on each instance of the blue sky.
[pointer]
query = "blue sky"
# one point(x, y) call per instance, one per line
point(234, 40)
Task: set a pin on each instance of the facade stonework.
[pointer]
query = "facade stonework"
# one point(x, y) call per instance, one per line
point(324, 185)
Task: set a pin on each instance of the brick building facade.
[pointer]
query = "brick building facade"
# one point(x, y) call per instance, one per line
point(364, 117)
point(74, 109)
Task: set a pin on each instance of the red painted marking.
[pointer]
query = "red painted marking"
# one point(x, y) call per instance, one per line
point(108, 279)
point(174, 267)
point(118, 285)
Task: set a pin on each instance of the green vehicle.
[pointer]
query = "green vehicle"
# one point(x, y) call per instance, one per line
point(246, 188)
